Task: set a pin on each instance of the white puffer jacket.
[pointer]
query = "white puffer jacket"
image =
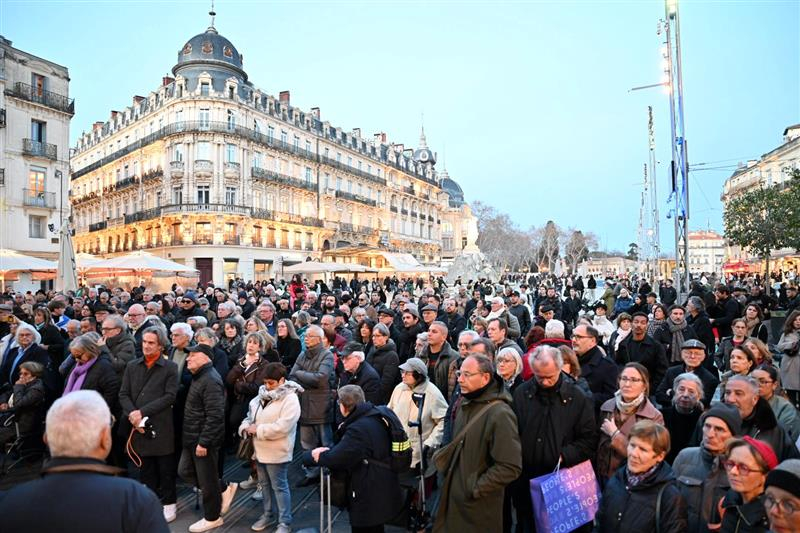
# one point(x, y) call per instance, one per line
point(275, 414)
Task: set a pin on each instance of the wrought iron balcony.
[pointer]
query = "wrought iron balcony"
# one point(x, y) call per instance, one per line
point(125, 183)
point(231, 240)
point(206, 208)
point(351, 228)
point(393, 209)
point(50, 99)
point(97, 226)
point(355, 198)
point(408, 189)
point(33, 198)
point(203, 239)
point(404, 211)
point(155, 173)
point(39, 149)
point(266, 175)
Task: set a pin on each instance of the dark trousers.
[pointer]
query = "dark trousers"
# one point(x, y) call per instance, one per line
point(158, 474)
point(202, 472)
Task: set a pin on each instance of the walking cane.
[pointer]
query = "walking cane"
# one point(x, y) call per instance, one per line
point(420, 519)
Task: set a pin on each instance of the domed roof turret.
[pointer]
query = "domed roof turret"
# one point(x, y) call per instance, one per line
point(423, 154)
point(452, 189)
point(209, 50)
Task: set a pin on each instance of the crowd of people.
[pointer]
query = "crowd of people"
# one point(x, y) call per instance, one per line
point(687, 410)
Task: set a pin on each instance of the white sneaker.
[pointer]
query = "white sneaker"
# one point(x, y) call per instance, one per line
point(227, 497)
point(249, 483)
point(205, 525)
point(170, 512)
point(257, 494)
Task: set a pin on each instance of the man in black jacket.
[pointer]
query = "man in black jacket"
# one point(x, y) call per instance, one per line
point(693, 353)
point(455, 322)
point(91, 499)
point(727, 311)
point(701, 324)
point(519, 310)
point(203, 433)
point(639, 347)
point(556, 424)
point(358, 372)
point(600, 371)
point(667, 293)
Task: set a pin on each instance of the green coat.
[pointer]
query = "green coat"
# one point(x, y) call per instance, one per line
point(482, 464)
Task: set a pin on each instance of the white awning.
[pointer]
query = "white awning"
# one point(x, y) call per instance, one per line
point(402, 262)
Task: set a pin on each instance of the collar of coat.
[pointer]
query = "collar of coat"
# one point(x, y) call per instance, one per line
point(566, 388)
point(58, 465)
point(762, 417)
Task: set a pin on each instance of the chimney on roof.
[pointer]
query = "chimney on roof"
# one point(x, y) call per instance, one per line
point(97, 125)
point(114, 114)
point(137, 99)
point(356, 133)
point(283, 97)
point(166, 80)
point(380, 137)
point(315, 112)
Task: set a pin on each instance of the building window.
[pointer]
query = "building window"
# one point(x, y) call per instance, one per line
point(231, 119)
point(158, 199)
point(205, 88)
point(296, 142)
point(338, 183)
point(257, 159)
point(338, 157)
point(38, 131)
point(256, 126)
point(203, 150)
point(205, 117)
point(39, 83)
point(230, 195)
point(178, 156)
point(270, 133)
point(327, 152)
point(36, 179)
point(308, 146)
point(230, 153)
point(308, 174)
point(36, 225)
point(349, 161)
point(284, 138)
point(177, 195)
point(349, 186)
point(202, 233)
point(327, 181)
point(203, 194)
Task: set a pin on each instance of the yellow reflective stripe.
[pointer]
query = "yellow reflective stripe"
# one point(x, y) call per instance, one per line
point(401, 446)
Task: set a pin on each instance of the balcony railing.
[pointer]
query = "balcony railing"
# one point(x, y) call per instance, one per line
point(97, 226)
point(206, 208)
point(347, 168)
point(34, 198)
point(364, 230)
point(46, 98)
point(153, 174)
point(176, 168)
point(404, 211)
point(231, 240)
point(39, 149)
point(203, 166)
point(261, 174)
point(2, 118)
point(232, 169)
point(355, 198)
point(203, 239)
point(393, 209)
point(125, 183)
point(408, 189)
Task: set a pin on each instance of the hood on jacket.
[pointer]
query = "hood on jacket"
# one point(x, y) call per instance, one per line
point(287, 388)
point(762, 417)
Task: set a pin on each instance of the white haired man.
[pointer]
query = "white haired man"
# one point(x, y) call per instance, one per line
point(91, 499)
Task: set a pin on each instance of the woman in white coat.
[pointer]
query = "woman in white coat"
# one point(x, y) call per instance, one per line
point(272, 422)
point(414, 375)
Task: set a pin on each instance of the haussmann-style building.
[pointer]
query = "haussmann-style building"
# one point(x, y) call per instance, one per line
point(210, 171)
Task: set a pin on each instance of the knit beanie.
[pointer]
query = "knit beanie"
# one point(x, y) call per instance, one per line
point(764, 450)
point(786, 476)
point(728, 414)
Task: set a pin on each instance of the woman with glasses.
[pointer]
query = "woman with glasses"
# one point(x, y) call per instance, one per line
point(769, 388)
point(509, 367)
point(618, 415)
point(747, 462)
point(643, 486)
point(782, 497)
point(384, 360)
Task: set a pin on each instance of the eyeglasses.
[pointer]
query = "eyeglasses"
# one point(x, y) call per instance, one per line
point(743, 469)
point(786, 507)
point(626, 379)
point(582, 336)
point(764, 381)
point(467, 375)
point(108, 329)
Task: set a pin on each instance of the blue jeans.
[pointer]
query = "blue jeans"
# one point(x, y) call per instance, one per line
point(274, 479)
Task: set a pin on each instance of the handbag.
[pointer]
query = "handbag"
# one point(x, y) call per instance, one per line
point(246, 449)
point(444, 456)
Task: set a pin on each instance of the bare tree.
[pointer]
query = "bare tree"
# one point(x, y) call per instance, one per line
point(577, 246)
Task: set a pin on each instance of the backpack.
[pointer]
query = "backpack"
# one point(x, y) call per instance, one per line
point(400, 453)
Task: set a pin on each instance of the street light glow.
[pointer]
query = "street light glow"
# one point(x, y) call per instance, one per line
point(672, 8)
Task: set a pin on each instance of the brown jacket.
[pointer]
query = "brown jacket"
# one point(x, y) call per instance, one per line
point(611, 453)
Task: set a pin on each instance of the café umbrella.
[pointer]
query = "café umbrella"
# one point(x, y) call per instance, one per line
point(12, 261)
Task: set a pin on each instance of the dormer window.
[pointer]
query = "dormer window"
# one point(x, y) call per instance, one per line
point(205, 89)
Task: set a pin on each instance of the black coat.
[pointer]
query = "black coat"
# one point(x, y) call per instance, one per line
point(122, 349)
point(89, 500)
point(633, 509)
point(740, 517)
point(373, 490)
point(664, 391)
point(36, 354)
point(702, 328)
point(368, 379)
point(152, 391)
point(680, 426)
point(664, 336)
point(204, 412)
point(102, 378)
point(385, 362)
point(727, 312)
point(289, 349)
point(571, 416)
point(406, 341)
point(762, 425)
point(456, 324)
point(29, 406)
point(601, 374)
point(648, 353)
point(52, 338)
